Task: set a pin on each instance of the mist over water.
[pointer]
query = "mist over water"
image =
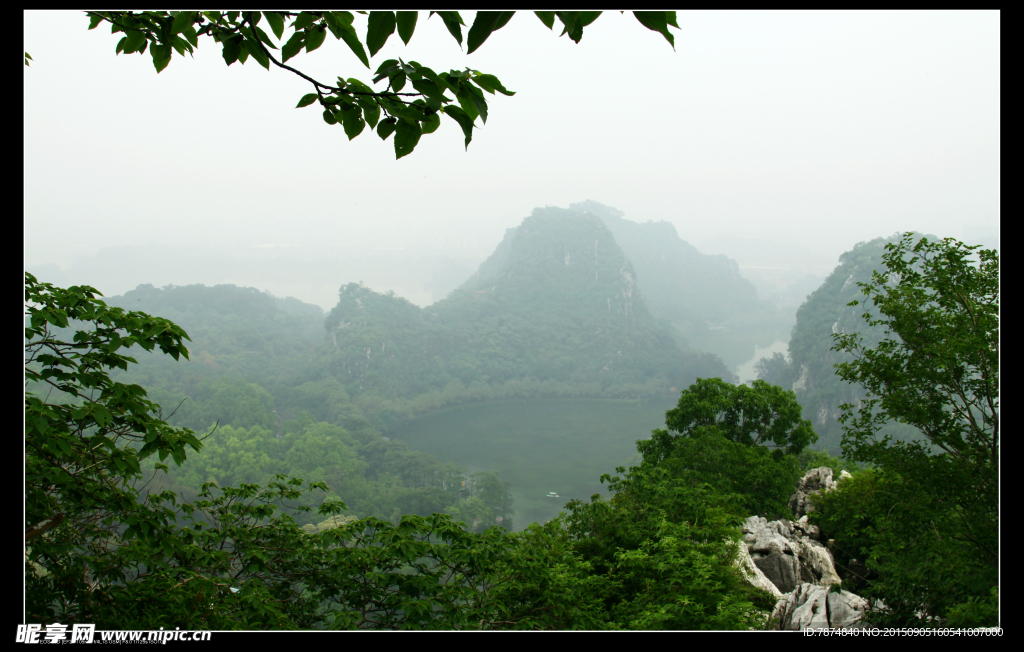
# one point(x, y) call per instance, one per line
point(746, 371)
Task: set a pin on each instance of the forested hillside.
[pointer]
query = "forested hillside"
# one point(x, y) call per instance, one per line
point(809, 370)
point(555, 310)
point(250, 382)
point(662, 551)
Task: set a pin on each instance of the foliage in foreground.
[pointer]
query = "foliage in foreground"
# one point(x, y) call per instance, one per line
point(928, 522)
point(125, 557)
point(350, 102)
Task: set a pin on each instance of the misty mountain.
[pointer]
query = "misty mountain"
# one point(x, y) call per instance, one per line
point(234, 331)
point(557, 303)
point(704, 296)
point(809, 369)
point(691, 289)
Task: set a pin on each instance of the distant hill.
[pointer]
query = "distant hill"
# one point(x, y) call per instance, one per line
point(703, 296)
point(235, 331)
point(556, 306)
point(809, 369)
point(678, 281)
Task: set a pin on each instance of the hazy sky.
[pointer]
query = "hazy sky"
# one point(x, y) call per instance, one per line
point(779, 138)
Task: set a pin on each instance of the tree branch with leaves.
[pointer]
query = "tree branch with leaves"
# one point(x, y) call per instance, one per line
point(350, 102)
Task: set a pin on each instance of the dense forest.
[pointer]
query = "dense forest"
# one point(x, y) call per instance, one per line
point(275, 389)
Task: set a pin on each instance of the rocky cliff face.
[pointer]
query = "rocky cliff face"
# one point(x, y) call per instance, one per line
point(826, 312)
point(788, 559)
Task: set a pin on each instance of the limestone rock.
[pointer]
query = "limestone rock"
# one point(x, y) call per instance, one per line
point(810, 605)
point(754, 574)
point(783, 570)
point(787, 553)
point(815, 480)
point(816, 564)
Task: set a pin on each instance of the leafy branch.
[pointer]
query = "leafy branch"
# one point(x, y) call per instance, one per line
point(351, 103)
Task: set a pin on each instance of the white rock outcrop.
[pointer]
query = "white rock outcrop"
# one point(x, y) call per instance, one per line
point(788, 559)
point(810, 605)
point(814, 481)
point(788, 554)
point(753, 574)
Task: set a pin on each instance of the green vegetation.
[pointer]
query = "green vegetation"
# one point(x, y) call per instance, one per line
point(659, 553)
point(555, 310)
point(106, 543)
point(135, 555)
point(281, 423)
point(810, 367)
point(351, 103)
point(725, 438)
point(926, 520)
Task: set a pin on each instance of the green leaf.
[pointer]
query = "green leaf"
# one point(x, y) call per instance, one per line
point(353, 122)
point(306, 100)
point(315, 38)
point(257, 53)
point(484, 24)
point(384, 69)
point(407, 135)
point(232, 50)
point(428, 88)
point(479, 102)
point(386, 127)
point(397, 80)
point(371, 111)
point(304, 20)
point(161, 56)
point(406, 24)
point(546, 17)
point(276, 21)
point(292, 47)
point(431, 123)
point(587, 17)
point(658, 22)
point(573, 27)
point(136, 41)
point(468, 102)
point(490, 84)
point(191, 36)
point(181, 21)
point(380, 27)
point(453, 21)
point(329, 117)
point(460, 116)
point(64, 447)
point(181, 46)
point(266, 38)
point(337, 21)
point(348, 34)
point(94, 20)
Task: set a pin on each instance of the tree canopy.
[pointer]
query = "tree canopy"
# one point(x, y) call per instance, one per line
point(761, 414)
point(230, 559)
point(934, 520)
point(408, 113)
